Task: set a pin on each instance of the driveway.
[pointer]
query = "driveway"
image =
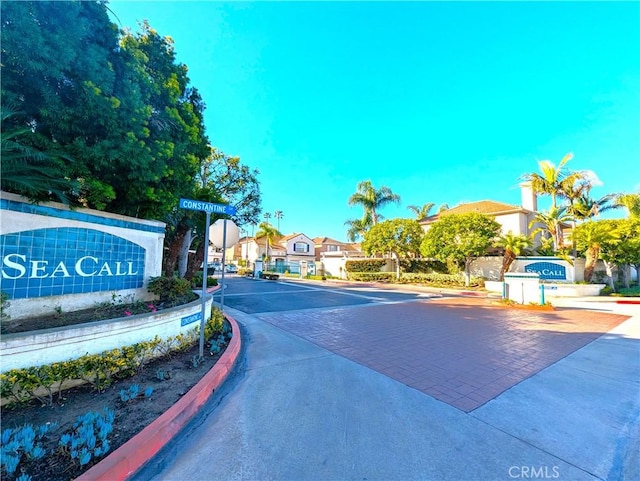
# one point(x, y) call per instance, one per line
point(462, 351)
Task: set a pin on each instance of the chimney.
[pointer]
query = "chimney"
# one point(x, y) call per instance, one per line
point(529, 197)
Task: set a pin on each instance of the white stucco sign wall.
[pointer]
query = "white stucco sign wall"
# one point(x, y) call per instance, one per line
point(52, 257)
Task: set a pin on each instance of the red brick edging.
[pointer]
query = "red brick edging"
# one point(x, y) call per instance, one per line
point(130, 457)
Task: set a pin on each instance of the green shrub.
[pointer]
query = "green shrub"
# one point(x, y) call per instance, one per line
point(440, 280)
point(171, 290)
point(365, 265)
point(372, 276)
point(423, 266)
point(196, 281)
point(629, 292)
point(100, 370)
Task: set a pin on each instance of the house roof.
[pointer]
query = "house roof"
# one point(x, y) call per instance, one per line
point(489, 207)
point(327, 240)
point(290, 236)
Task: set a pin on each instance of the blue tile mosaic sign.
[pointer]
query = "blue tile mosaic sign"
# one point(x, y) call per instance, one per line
point(68, 260)
point(547, 270)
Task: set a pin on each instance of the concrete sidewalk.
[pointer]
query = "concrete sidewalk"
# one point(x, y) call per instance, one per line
point(295, 411)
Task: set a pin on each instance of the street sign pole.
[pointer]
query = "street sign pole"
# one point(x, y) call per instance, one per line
point(224, 252)
point(204, 283)
point(208, 208)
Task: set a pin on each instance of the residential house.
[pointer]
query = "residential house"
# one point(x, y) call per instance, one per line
point(284, 251)
point(512, 218)
point(330, 246)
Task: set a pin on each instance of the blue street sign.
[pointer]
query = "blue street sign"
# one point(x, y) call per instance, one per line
point(207, 207)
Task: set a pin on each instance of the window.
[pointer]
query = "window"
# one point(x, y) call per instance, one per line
point(332, 248)
point(300, 247)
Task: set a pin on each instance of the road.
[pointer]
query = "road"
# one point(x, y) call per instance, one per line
point(257, 296)
point(362, 383)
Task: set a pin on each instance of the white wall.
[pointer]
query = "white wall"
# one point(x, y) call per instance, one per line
point(46, 346)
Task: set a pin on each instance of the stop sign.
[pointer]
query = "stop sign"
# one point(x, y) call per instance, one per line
point(216, 233)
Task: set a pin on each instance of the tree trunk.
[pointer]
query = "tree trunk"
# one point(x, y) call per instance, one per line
point(195, 261)
point(625, 269)
point(637, 268)
point(397, 259)
point(183, 258)
point(173, 250)
point(590, 262)
point(507, 260)
point(609, 269)
point(467, 272)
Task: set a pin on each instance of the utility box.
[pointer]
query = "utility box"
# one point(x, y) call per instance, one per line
point(523, 288)
point(257, 269)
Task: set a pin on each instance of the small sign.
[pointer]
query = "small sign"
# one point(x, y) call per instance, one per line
point(207, 206)
point(192, 318)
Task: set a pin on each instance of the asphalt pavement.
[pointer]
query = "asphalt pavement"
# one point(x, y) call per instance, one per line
point(295, 410)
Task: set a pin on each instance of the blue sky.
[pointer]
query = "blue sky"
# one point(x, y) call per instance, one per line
point(442, 102)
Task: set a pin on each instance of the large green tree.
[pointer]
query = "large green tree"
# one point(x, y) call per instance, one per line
point(460, 238)
point(399, 237)
point(222, 179)
point(117, 105)
point(57, 69)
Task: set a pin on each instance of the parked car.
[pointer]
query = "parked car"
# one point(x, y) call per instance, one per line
point(231, 268)
point(214, 266)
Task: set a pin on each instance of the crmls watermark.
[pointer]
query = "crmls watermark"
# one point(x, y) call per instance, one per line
point(534, 472)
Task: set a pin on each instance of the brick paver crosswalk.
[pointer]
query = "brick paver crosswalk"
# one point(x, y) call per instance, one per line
point(461, 351)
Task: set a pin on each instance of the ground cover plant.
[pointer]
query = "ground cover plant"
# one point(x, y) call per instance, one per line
point(62, 434)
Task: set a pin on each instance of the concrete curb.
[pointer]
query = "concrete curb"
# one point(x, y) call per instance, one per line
point(132, 455)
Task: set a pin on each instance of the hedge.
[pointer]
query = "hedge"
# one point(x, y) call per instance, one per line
point(372, 276)
point(440, 280)
point(365, 265)
point(423, 266)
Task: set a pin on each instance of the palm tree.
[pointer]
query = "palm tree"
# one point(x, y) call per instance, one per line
point(631, 202)
point(29, 171)
point(443, 208)
point(513, 245)
point(584, 207)
point(266, 230)
point(421, 212)
point(552, 221)
point(553, 181)
point(278, 215)
point(358, 228)
point(589, 237)
point(372, 199)
point(267, 216)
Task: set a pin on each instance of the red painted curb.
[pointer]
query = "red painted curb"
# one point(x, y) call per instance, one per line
point(628, 301)
point(132, 455)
